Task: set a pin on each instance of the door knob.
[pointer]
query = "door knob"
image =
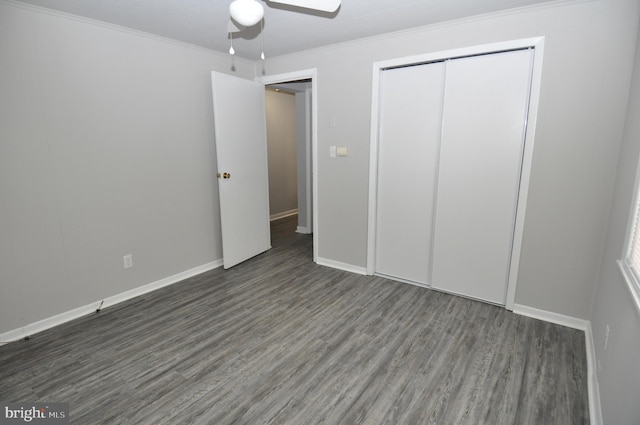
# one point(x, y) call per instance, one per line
point(226, 176)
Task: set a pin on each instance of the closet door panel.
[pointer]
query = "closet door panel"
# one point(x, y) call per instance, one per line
point(409, 143)
point(484, 119)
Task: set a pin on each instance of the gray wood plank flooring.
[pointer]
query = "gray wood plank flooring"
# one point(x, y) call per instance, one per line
point(280, 340)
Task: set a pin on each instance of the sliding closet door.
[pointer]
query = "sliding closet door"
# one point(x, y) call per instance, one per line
point(409, 143)
point(484, 120)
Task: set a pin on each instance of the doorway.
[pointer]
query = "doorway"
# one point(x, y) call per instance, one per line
point(301, 87)
point(288, 113)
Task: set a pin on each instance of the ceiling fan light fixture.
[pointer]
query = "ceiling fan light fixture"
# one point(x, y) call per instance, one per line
point(246, 12)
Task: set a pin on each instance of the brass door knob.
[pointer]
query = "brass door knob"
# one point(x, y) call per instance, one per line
point(226, 176)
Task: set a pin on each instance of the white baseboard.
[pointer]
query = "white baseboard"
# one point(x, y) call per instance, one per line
point(595, 410)
point(303, 230)
point(283, 214)
point(76, 313)
point(548, 316)
point(341, 266)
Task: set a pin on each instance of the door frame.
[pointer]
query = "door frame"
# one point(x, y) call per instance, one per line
point(535, 43)
point(288, 77)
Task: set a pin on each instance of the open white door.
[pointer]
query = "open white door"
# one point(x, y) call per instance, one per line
point(241, 147)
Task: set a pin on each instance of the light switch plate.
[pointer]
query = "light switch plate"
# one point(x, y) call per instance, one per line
point(332, 151)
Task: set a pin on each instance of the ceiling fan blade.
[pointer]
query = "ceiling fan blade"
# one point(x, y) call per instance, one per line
point(322, 5)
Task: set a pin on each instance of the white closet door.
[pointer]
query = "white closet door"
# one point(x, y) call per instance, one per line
point(409, 143)
point(484, 119)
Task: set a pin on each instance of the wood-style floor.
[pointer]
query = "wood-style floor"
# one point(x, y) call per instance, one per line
point(280, 340)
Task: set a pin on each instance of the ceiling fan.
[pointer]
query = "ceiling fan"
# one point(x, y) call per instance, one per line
point(248, 13)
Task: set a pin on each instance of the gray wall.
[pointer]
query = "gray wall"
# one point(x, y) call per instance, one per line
point(588, 59)
point(106, 149)
point(281, 144)
point(618, 372)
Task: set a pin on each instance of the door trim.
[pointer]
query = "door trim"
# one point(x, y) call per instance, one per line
point(312, 74)
point(535, 43)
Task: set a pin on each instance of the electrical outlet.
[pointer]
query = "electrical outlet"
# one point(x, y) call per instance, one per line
point(606, 336)
point(128, 261)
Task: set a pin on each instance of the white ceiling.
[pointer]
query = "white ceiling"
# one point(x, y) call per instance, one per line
point(286, 30)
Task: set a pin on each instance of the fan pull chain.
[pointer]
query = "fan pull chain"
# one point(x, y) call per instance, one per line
point(231, 49)
point(262, 34)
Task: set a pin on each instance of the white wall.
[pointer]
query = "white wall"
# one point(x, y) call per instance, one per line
point(304, 159)
point(589, 50)
point(618, 372)
point(281, 144)
point(106, 149)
